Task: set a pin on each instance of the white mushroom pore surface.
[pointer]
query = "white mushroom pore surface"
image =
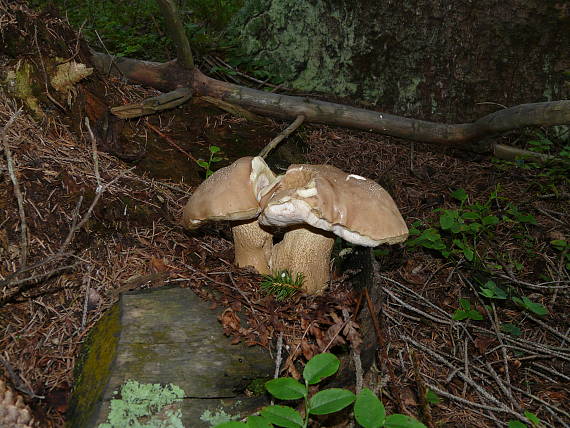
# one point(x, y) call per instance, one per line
point(232, 193)
point(317, 202)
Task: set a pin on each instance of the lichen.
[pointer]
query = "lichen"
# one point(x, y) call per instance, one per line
point(94, 367)
point(145, 406)
point(217, 417)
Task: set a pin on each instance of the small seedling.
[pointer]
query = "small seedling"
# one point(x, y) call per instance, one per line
point(467, 312)
point(369, 411)
point(282, 284)
point(531, 306)
point(213, 159)
point(564, 247)
point(492, 291)
point(511, 329)
point(534, 420)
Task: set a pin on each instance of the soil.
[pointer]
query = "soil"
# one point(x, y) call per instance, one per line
point(106, 221)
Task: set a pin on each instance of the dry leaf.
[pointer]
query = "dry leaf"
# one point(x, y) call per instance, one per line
point(157, 265)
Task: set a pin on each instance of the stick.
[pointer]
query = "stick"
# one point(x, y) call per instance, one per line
point(383, 352)
point(422, 391)
point(288, 131)
point(278, 357)
point(95, 157)
point(87, 280)
point(17, 191)
point(171, 141)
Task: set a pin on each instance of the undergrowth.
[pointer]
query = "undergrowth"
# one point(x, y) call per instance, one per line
point(136, 28)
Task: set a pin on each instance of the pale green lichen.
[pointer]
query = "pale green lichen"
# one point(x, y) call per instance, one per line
point(145, 406)
point(217, 417)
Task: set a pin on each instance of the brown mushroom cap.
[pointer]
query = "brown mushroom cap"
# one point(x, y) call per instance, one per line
point(357, 209)
point(229, 194)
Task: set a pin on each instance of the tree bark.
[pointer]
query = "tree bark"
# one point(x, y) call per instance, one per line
point(169, 76)
point(177, 34)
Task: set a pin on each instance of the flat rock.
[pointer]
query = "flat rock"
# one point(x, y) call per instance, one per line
point(166, 335)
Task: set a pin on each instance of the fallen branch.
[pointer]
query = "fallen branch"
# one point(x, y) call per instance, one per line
point(168, 76)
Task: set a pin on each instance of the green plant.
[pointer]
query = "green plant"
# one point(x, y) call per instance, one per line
point(466, 312)
point(511, 329)
point(492, 291)
point(145, 406)
point(534, 420)
point(207, 165)
point(369, 411)
point(531, 306)
point(281, 284)
point(564, 247)
point(460, 230)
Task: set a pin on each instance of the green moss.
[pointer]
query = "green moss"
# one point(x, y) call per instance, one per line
point(257, 386)
point(93, 369)
point(20, 83)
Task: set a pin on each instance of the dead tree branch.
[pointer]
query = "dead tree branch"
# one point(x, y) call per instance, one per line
point(168, 76)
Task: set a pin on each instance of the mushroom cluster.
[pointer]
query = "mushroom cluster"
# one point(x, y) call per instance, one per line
point(313, 202)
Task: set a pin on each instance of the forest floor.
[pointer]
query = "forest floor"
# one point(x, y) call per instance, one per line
point(101, 220)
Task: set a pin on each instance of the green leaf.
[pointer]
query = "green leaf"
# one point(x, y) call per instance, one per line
point(560, 244)
point(532, 417)
point(517, 424)
point(465, 304)
point(231, 424)
point(448, 219)
point(203, 164)
point(282, 416)
point(475, 315)
point(528, 304)
point(460, 315)
point(490, 220)
point(369, 410)
point(511, 329)
point(286, 388)
point(468, 253)
point(470, 215)
point(319, 367)
point(215, 159)
point(432, 397)
point(402, 421)
point(460, 195)
point(214, 149)
point(258, 422)
point(492, 291)
point(330, 400)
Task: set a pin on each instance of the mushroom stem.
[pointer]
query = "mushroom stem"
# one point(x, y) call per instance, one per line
point(305, 250)
point(252, 245)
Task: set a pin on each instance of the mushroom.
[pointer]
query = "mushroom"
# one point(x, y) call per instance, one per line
point(232, 193)
point(318, 202)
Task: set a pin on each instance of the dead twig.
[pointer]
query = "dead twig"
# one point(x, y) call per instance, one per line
point(422, 390)
point(383, 353)
point(288, 131)
point(17, 191)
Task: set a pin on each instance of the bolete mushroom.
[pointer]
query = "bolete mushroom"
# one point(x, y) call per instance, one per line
point(232, 193)
point(317, 202)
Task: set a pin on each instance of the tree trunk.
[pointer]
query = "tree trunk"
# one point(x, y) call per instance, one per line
point(438, 60)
